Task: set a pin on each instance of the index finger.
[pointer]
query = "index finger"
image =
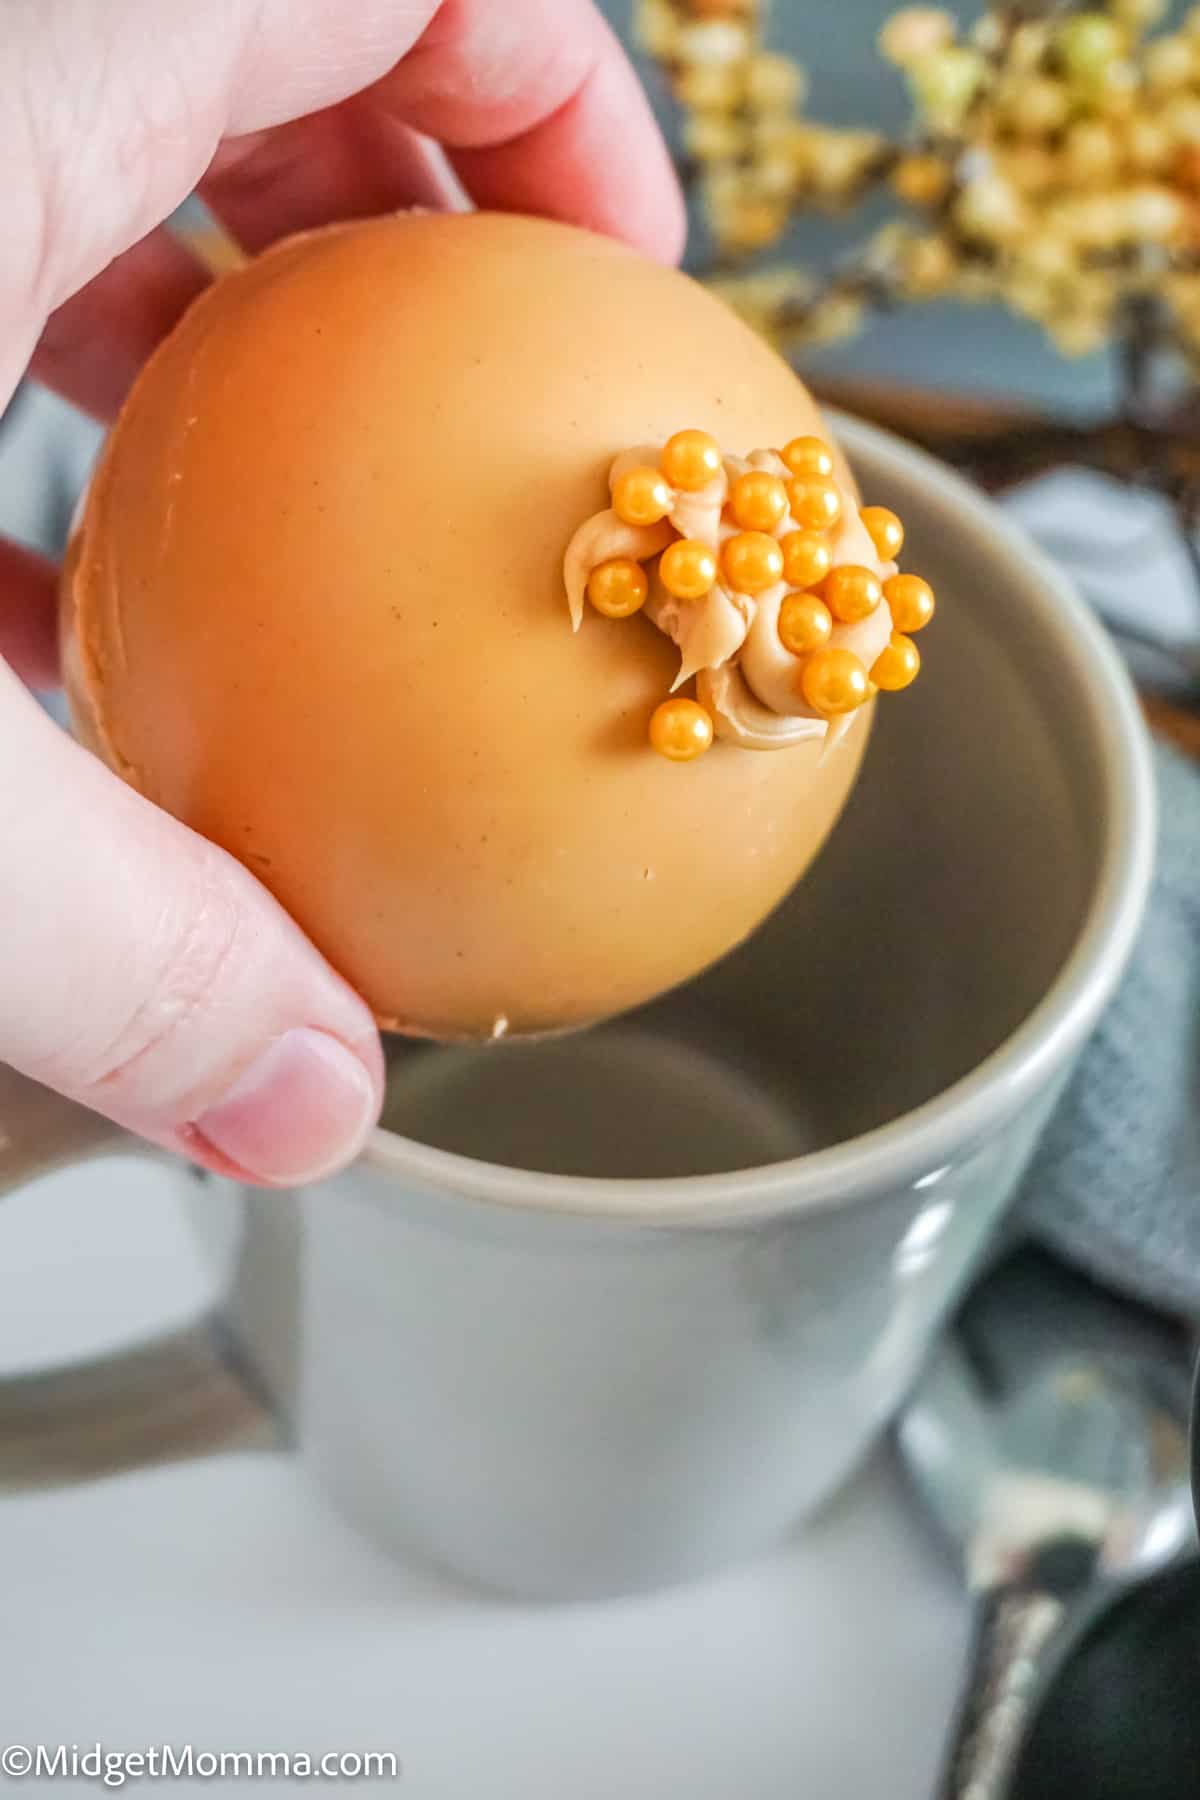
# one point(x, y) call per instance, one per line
point(542, 112)
point(534, 96)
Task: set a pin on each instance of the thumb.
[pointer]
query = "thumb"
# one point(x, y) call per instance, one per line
point(145, 973)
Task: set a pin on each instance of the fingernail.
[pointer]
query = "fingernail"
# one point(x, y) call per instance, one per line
point(302, 1109)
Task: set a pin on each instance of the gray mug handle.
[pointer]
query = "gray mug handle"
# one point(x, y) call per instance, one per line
point(178, 1396)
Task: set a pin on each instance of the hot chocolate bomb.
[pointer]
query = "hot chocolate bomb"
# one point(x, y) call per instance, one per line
point(319, 605)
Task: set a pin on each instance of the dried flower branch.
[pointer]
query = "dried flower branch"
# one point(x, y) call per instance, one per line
point(1053, 164)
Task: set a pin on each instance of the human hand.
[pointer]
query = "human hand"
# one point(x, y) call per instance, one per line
point(144, 971)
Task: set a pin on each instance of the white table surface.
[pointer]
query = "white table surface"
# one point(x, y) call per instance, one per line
point(221, 1603)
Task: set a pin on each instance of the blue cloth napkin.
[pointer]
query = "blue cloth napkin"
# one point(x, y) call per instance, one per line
point(1115, 1185)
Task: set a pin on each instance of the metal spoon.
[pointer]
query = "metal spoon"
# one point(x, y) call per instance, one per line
point(1048, 1441)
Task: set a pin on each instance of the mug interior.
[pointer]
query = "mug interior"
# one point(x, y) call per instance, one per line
point(935, 922)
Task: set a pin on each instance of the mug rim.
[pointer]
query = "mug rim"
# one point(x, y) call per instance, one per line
point(918, 1147)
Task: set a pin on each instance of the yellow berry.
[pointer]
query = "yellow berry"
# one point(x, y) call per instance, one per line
point(1152, 215)
point(690, 460)
point(833, 681)
point(776, 135)
point(928, 267)
point(710, 87)
point(990, 208)
point(1030, 295)
point(642, 497)
point(1087, 42)
point(988, 34)
point(1048, 257)
point(836, 316)
point(774, 174)
point(618, 588)
point(840, 161)
point(1090, 152)
point(884, 530)
point(680, 730)
point(910, 602)
point(657, 27)
point(1139, 15)
point(1148, 145)
point(1169, 64)
point(816, 502)
point(1028, 44)
point(914, 32)
point(851, 592)
point(807, 558)
point(1080, 334)
point(688, 569)
point(1031, 169)
point(774, 83)
point(921, 180)
point(751, 561)
point(945, 83)
point(1115, 92)
point(758, 501)
point(755, 223)
point(898, 666)
point(805, 623)
point(1034, 104)
point(1182, 120)
point(808, 456)
point(713, 137)
point(716, 40)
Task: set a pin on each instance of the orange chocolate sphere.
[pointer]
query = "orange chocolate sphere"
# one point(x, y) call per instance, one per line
point(315, 609)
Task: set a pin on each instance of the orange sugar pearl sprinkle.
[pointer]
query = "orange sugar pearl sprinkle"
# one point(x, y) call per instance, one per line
point(751, 561)
point(690, 460)
point(758, 501)
point(808, 456)
point(898, 666)
point(851, 592)
point(688, 569)
point(680, 730)
point(642, 496)
point(807, 558)
point(618, 588)
point(816, 502)
point(805, 623)
point(884, 530)
point(910, 600)
point(833, 681)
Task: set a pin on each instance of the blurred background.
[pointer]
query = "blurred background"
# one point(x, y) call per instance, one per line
point(945, 347)
point(975, 382)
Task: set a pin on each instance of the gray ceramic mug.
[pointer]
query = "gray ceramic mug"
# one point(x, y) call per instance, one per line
point(605, 1313)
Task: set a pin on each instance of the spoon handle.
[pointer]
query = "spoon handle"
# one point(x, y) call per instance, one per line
point(1013, 1628)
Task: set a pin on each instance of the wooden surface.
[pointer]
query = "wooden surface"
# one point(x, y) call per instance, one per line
point(1182, 728)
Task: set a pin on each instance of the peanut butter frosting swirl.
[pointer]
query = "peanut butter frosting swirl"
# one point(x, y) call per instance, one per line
point(782, 596)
